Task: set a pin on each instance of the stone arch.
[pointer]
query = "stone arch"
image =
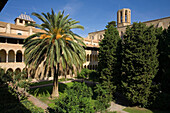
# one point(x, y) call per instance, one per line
point(19, 56)
point(18, 70)
point(90, 57)
point(10, 71)
point(2, 55)
point(85, 66)
point(11, 56)
point(88, 67)
point(87, 57)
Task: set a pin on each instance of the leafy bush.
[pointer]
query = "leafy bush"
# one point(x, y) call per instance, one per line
point(4, 77)
point(103, 98)
point(88, 74)
point(76, 99)
point(162, 102)
point(84, 73)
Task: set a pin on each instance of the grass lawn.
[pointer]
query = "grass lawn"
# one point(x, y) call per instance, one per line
point(142, 110)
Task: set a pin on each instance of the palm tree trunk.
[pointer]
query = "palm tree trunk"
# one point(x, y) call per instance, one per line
point(55, 92)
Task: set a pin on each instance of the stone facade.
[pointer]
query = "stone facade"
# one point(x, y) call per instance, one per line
point(12, 36)
point(11, 42)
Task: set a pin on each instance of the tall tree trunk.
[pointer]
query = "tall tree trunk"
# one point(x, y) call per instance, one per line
point(55, 92)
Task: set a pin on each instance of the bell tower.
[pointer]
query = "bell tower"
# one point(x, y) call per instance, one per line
point(123, 17)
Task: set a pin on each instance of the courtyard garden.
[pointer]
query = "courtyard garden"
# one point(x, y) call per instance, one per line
point(133, 72)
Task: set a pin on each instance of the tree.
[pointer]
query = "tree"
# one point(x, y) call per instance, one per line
point(57, 48)
point(164, 60)
point(108, 58)
point(140, 62)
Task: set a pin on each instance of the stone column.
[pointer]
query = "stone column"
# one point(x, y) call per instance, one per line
point(123, 16)
point(118, 17)
point(30, 31)
point(6, 58)
point(14, 57)
point(22, 58)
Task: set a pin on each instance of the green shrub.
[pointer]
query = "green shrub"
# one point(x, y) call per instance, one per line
point(103, 98)
point(84, 73)
point(76, 99)
point(94, 76)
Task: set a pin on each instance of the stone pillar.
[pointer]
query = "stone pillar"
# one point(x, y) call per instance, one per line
point(30, 32)
point(22, 58)
point(8, 28)
point(23, 22)
point(7, 58)
point(123, 16)
point(14, 57)
point(118, 17)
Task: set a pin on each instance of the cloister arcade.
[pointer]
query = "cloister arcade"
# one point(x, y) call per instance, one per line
point(91, 61)
point(12, 57)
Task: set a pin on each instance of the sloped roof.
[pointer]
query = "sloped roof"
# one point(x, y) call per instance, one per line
point(25, 17)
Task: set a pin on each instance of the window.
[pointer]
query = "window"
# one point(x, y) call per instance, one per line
point(19, 33)
point(20, 21)
point(126, 16)
point(92, 37)
point(26, 22)
point(121, 16)
point(100, 36)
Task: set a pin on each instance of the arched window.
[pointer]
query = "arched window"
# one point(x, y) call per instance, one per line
point(126, 16)
point(85, 66)
point(91, 57)
point(11, 56)
point(88, 67)
point(19, 56)
point(2, 55)
point(88, 57)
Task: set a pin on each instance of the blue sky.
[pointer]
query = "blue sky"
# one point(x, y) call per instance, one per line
point(92, 14)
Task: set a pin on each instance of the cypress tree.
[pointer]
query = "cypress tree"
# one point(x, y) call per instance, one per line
point(139, 63)
point(108, 57)
point(164, 60)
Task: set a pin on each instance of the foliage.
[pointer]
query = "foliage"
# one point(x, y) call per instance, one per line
point(162, 102)
point(103, 98)
point(164, 60)
point(140, 62)
point(10, 103)
point(84, 73)
point(31, 107)
point(76, 99)
point(58, 48)
point(88, 74)
point(4, 77)
point(109, 54)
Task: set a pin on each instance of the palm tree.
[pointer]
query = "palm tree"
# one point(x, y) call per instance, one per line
point(57, 48)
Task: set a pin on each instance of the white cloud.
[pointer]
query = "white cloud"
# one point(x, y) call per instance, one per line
point(73, 6)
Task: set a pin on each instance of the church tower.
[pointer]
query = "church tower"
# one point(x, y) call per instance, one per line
point(23, 19)
point(123, 17)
